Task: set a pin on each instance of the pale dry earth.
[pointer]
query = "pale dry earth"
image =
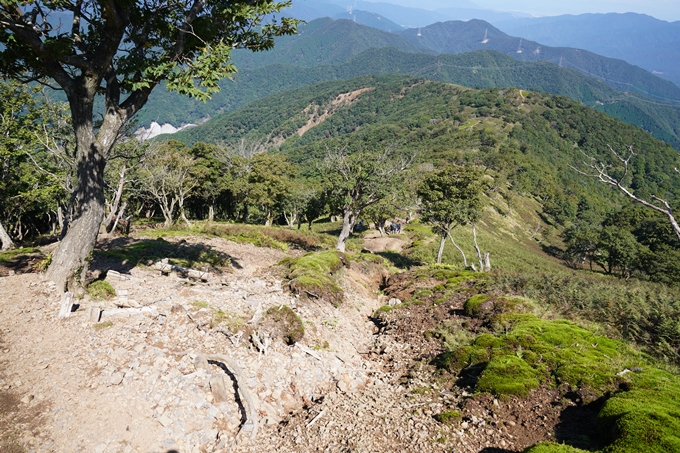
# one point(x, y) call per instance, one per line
point(129, 383)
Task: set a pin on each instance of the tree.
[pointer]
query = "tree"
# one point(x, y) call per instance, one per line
point(354, 182)
point(581, 240)
point(121, 51)
point(598, 170)
point(24, 114)
point(270, 183)
point(449, 198)
point(165, 175)
point(206, 170)
point(616, 249)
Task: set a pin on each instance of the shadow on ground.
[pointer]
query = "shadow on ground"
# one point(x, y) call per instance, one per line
point(124, 253)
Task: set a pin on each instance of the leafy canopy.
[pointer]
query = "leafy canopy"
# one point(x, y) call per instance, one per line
point(135, 45)
point(452, 197)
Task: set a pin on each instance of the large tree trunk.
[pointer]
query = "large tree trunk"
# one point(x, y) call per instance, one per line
point(71, 258)
point(349, 218)
point(5, 240)
point(440, 253)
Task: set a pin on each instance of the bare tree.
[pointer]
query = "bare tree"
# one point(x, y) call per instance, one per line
point(599, 171)
point(165, 175)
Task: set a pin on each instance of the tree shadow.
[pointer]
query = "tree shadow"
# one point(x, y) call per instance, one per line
point(398, 260)
point(123, 254)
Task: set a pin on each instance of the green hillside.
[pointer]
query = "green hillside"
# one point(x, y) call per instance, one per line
point(457, 37)
point(324, 41)
point(370, 19)
point(526, 138)
point(476, 69)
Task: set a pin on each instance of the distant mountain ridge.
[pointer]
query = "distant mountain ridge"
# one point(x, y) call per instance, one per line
point(402, 13)
point(639, 39)
point(324, 41)
point(458, 36)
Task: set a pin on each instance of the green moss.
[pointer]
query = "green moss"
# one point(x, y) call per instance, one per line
point(101, 290)
point(642, 418)
point(448, 417)
point(383, 309)
point(646, 417)
point(102, 325)
point(531, 351)
point(552, 447)
point(508, 375)
point(199, 304)
point(471, 305)
point(287, 323)
point(9, 255)
point(312, 275)
point(484, 306)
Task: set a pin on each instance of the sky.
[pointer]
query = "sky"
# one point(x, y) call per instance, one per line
point(668, 10)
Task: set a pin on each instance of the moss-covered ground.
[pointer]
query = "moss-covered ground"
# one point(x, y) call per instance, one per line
point(9, 255)
point(101, 290)
point(312, 275)
point(180, 253)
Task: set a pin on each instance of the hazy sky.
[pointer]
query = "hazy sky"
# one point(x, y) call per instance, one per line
point(661, 9)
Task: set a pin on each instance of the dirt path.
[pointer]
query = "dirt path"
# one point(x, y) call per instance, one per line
point(376, 243)
point(130, 382)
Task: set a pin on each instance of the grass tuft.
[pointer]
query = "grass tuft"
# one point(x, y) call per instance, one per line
point(286, 323)
point(101, 290)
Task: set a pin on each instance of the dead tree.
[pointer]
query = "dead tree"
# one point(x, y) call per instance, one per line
point(598, 170)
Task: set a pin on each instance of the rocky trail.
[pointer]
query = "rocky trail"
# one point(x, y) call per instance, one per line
point(136, 380)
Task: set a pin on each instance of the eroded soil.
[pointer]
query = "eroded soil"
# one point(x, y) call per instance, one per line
point(129, 382)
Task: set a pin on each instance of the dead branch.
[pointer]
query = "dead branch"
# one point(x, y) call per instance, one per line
point(600, 172)
point(252, 419)
point(166, 268)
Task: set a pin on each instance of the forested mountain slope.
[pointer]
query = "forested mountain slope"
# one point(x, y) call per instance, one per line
point(528, 139)
point(458, 36)
point(475, 69)
point(324, 41)
point(639, 39)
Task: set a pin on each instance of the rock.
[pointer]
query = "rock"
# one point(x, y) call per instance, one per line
point(165, 421)
point(116, 378)
point(393, 302)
